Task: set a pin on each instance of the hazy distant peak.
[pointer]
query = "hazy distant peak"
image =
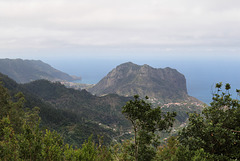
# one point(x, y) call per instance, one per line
point(127, 64)
point(24, 71)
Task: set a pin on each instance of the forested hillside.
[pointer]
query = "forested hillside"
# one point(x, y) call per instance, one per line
point(213, 135)
point(105, 110)
point(74, 114)
point(29, 118)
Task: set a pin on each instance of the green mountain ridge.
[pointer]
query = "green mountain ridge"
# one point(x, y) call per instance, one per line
point(77, 114)
point(106, 110)
point(23, 71)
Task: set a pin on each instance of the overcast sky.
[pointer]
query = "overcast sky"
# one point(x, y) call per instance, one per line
point(108, 27)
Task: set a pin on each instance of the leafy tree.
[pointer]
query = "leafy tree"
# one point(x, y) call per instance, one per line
point(12, 109)
point(89, 152)
point(8, 141)
point(22, 139)
point(214, 134)
point(168, 151)
point(123, 151)
point(146, 121)
point(18, 127)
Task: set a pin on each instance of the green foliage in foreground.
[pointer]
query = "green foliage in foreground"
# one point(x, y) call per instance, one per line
point(146, 121)
point(212, 135)
point(22, 139)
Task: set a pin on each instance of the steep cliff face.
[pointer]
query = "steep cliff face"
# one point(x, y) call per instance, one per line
point(129, 79)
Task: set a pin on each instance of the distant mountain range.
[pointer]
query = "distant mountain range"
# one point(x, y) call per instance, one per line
point(23, 71)
point(77, 114)
point(128, 79)
point(165, 85)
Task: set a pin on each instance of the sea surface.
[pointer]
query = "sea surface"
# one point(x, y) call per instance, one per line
point(201, 74)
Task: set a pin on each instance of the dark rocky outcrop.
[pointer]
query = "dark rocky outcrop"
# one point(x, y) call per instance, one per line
point(129, 79)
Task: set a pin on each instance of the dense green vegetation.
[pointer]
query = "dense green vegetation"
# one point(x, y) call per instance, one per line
point(64, 133)
point(216, 132)
point(74, 114)
point(146, 121)
point(77, 114)
point(22, 139)
point(212, 135)
point(105, 110)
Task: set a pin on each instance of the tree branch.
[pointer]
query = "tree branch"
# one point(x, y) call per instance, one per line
point(235, 131)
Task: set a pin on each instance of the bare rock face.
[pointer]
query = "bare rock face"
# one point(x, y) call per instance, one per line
point(129, 79)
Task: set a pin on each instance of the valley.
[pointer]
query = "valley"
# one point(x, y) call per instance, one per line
point(97, 112)
point(81, 109)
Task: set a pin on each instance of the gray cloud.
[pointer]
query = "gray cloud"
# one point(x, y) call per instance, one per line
point(148, 23)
